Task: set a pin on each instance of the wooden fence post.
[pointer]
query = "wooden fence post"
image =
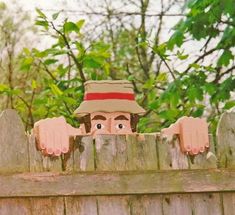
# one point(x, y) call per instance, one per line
point(13, 143)
point(226, 154)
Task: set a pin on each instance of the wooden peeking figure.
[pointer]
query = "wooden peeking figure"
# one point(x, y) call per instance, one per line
point(109, 107)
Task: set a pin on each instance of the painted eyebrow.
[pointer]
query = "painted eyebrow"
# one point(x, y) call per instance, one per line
point(121, 117)
point(99, 117)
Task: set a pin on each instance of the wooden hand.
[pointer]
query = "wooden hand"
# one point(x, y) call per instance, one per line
point(52, 135)
point(193, 134)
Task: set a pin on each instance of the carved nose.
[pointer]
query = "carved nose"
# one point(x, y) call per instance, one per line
point(109, 129)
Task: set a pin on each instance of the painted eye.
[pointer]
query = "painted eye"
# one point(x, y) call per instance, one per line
point(120, 126)
point(99, 126)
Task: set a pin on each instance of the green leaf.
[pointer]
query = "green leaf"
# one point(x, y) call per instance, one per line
point(70, 26)
point(3, 88)
point(42, 23)
point(55, 15)
point(198, 112)
point(228, 105)
point(194, 93)
point(162, 77)
point(176, 39)
point(225, 58)
point(26, 63)
point(170, 114)
point(91, 62)
point(34, 84)
point(50, 61)
point(210, 88)
point(195, 66)
point(181, 56)
point(40, 13)
point(69, 100)
point(55, 90)
point(80, 23)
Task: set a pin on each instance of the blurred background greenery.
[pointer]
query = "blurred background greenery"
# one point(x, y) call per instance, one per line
point(125, 40)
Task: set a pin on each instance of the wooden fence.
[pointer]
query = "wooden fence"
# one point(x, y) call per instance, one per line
point(116, 175)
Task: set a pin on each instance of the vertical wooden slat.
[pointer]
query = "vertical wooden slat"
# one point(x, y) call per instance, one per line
point(111, 152)
point(141, 152)
point(170, 156)
point(15, 206)
point(177, 204)
point(81, 159)
point(146, 204)
point(13, 143)
point(226, 140)
point(84, 154)
point(229, 203)
point(81, 205)
point(208, 204)
point(45, 206)
point(115, 205)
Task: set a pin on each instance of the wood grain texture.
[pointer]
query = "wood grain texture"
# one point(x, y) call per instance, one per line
point(32, 206)
point(115, 205)
point(81, 205)
point(117, 183)
point(83, 155)
point(177, 204)
point(146, 204)
point(207, 203)
point(228, 203)
point(110, 154)
point(226, 140)
point(45, 206)
point(142, 152)
point(10, 206)
point(13, 143)
point(170, 156)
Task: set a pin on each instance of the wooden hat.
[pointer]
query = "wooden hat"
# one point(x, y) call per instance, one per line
point(109, 96)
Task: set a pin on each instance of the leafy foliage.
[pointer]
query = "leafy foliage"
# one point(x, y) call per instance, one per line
point(203, 88)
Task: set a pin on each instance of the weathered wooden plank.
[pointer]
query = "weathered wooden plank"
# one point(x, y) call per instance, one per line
point(142, 152)
point(83, 155)
point(170, 156)
point(111, 152)
point(14, 206)
point(115, 205)
point(121, 152)
point(226, 140)
point(228, 203)
point(146, 204)
point(208, 204)
point(114, 183)
point(177, 204)
point(81, 205)
point(13, 143)
point(45, 206)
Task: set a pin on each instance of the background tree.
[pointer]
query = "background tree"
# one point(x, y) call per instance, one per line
point(129, 41)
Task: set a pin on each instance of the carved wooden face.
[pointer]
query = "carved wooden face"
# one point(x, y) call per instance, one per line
point(110, 123)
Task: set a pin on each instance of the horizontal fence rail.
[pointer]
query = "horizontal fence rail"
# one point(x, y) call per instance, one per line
point(117, 183)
